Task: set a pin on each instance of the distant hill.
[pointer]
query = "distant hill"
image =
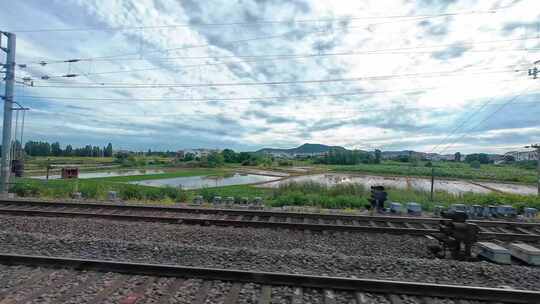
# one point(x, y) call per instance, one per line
point(305, 148)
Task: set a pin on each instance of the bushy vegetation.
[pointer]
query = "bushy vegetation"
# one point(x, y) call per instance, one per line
point(319, 195)
point(356, 196)
point(96, 190)
point(345, 157)
point(290, 194)
point(43, 148)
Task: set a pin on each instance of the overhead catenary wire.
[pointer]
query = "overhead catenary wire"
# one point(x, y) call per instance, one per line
point(103, 85)
point(373, 51)
point(260, 22)
point(245, 98)
point(501, 107)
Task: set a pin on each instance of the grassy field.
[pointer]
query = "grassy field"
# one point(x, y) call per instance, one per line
point(305, 194)
point(169, 174)
point(506, 173)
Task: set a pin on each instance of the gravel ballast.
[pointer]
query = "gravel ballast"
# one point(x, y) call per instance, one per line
point(351, 244)
point(294, 261)
point(378, 256)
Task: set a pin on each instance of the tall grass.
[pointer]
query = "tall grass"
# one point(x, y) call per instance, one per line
point(288, 194)
point(320, 195)
point(356, 196)
point(507, 173)
point(96, 190)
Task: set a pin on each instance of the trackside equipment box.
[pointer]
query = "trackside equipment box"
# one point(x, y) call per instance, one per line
point(526, 253)
point(494, 252)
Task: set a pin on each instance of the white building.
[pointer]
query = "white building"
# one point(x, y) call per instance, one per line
point(523, 155)
point(200, 152)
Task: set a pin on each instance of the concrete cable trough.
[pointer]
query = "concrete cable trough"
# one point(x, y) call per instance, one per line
point(264, 285)
point(499, 230)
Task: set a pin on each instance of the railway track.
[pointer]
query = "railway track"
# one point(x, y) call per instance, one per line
point(60, 280)
point(499, 230)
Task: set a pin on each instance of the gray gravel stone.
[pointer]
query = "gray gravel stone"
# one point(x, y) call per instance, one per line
point(362, 255)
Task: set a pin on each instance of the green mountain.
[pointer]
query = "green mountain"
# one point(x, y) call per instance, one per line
point(305, 148)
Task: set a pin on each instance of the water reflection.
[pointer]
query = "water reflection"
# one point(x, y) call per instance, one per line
point(416, 183)
point(84, 175)
point(197, 182)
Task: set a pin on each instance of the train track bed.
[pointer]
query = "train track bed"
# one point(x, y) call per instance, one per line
point(34, 279)
point(370, 255)
point(500, 230)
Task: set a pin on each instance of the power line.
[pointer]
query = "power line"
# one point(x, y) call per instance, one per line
point(467, 119)
point(46, 77)
point(223, 99)
point(259, 22)
point(172, 85)
point(375, 51)
point(486, 119)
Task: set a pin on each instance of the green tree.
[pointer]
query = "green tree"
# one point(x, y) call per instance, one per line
point(229, 156)
point(377, 156)
point(213, 160)
point(56, 150)
point(480, 157)
point(457, 157)
point(108, 151)
point(189, 157)
point(68, 151)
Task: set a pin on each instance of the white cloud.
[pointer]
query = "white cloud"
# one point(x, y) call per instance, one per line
point(397, 118)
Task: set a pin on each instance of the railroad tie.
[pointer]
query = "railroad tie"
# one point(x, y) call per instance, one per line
point(40, 274)
point(50, 286)
point(234, 292)
point(360, 298)
point(172, 290)
point(409, 225)
point(395, 299)
point(266, 294)
point(109, 290)
point(524, 231)
point(72, 292)
point(329, 297)
point(297, 296)
point(202, 292)
point(426, 226)
point(139, 292)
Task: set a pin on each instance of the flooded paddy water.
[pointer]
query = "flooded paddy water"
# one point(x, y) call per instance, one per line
point(112, 173)
point(402, 182)
point(197, 182)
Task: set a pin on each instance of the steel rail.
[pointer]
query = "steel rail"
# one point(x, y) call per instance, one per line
point(260, 224)
point(265, 213)
point(276, 278)
point(218, 222)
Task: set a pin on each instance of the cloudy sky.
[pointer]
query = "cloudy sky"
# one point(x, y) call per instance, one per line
point(431, 75)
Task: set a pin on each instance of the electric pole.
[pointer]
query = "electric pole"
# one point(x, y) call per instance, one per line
point(432, 181)
point(5, 165)
point(537, 147)
point(533, 72)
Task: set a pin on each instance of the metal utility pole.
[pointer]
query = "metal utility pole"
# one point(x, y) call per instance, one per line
point(432, 181)
point(537, 147)
point(533, 72)
point(5, 166)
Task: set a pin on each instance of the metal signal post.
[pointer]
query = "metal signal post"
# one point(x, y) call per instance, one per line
point(5, 165)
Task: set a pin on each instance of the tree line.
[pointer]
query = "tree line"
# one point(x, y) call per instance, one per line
point(43, 148)
point(347, 157)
